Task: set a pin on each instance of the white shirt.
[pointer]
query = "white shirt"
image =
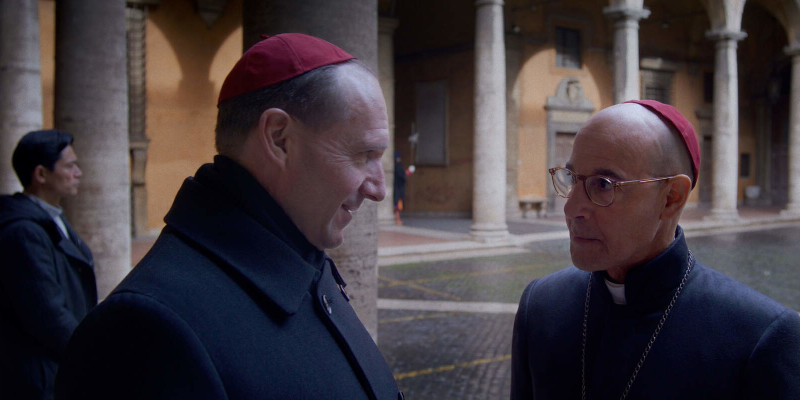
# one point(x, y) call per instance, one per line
point(55, 212)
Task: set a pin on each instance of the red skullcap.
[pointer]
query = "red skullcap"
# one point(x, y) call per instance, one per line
point(276, 59)
point(670, 114)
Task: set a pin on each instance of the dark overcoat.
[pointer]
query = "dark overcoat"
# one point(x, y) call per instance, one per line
point(232, 302)
point(722, 339)
point(47, 286)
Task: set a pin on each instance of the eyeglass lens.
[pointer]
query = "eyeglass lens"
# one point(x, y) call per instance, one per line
point(599, 189)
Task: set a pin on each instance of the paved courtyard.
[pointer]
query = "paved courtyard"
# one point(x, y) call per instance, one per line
point(445, 326)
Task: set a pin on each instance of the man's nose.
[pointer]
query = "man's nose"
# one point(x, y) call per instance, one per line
point(578, 202)
point(374, 187)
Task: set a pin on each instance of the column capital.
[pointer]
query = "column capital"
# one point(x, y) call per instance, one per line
point(792, 50)
point(626, 13)
point(722, 34)
point(481, 3)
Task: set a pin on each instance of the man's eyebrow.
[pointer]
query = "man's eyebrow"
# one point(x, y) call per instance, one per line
point(373, 145)
point(599, 171)
point(607, 173)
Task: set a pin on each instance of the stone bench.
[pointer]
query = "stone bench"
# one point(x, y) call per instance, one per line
point(530, 203)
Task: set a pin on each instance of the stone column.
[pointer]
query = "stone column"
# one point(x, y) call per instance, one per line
point(489, 166)
point(725, 137)
point(626, 48)
point(513, 62)
point(20, 82)
point(353, 26)
point(793, 207)
point(91, 102)
point(386, 27)
point(137, 112)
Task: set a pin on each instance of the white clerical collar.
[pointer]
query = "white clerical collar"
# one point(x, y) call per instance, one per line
point(617, 291)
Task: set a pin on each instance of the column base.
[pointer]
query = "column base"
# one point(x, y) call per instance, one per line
point(791, 211)
point(725, 216)
point(383, 221)
point(488, 232)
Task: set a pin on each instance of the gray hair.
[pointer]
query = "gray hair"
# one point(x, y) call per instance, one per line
point(314, 98)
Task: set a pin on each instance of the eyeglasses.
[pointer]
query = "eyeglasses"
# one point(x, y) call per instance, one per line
point(600, 189)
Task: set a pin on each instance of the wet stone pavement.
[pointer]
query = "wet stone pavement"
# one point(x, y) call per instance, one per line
point(454, 353)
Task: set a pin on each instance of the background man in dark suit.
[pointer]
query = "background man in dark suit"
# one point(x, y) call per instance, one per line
point(47, 282)
point(237, 298)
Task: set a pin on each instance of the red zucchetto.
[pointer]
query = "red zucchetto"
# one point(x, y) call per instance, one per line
point(672, 116)
point(277, 59)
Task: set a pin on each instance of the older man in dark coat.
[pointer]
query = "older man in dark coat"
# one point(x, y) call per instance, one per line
point(237, 298)
point(47, 282)
point(639, 317)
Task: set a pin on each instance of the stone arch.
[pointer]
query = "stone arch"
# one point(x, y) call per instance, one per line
point(180, 68)
point(725, 15)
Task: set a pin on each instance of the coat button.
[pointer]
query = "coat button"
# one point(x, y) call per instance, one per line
point(326, 304)
point(344, 292)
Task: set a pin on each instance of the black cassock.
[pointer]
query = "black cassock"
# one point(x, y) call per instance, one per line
point(722, 339)
point(232, 302)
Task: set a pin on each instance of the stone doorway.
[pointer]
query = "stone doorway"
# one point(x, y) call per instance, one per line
point(567, 111)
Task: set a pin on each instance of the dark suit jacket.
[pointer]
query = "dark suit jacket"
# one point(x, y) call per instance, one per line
point(722, 340)
point(230, 303)
point(47, 286)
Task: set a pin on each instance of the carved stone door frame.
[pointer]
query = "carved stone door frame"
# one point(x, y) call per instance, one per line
point(567, 111)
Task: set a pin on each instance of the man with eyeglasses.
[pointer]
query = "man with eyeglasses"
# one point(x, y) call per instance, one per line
point(638, 317)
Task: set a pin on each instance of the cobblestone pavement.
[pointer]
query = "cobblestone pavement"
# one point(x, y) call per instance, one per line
point(438, 350)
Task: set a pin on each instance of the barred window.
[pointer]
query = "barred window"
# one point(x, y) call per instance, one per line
point(568, 48)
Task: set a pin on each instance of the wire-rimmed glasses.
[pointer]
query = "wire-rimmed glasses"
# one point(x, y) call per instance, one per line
point(599, 188)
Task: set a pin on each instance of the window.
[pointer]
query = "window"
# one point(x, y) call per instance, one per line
point(568, 48)
point(656, 93)
point(708, 87)
point(656, 84)
point(744, 165)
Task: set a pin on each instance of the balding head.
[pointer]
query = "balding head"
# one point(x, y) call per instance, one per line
point(659, 142)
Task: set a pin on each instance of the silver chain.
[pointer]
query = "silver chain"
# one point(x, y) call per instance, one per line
point(649, 345)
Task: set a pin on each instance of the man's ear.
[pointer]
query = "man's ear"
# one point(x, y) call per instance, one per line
point(39, 175)
point(677, 194)
point(273, 133)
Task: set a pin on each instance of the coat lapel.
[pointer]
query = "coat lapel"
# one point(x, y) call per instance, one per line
point(74, 247)
point(243, 244)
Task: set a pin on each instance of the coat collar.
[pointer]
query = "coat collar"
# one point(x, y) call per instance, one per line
point(652, 283)
point(226, 211)
point(21, 207)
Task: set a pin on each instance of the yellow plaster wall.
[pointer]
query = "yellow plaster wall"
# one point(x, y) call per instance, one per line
point(436, 188)
point(538, 79)
point(687, 94)
point(186, 64)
